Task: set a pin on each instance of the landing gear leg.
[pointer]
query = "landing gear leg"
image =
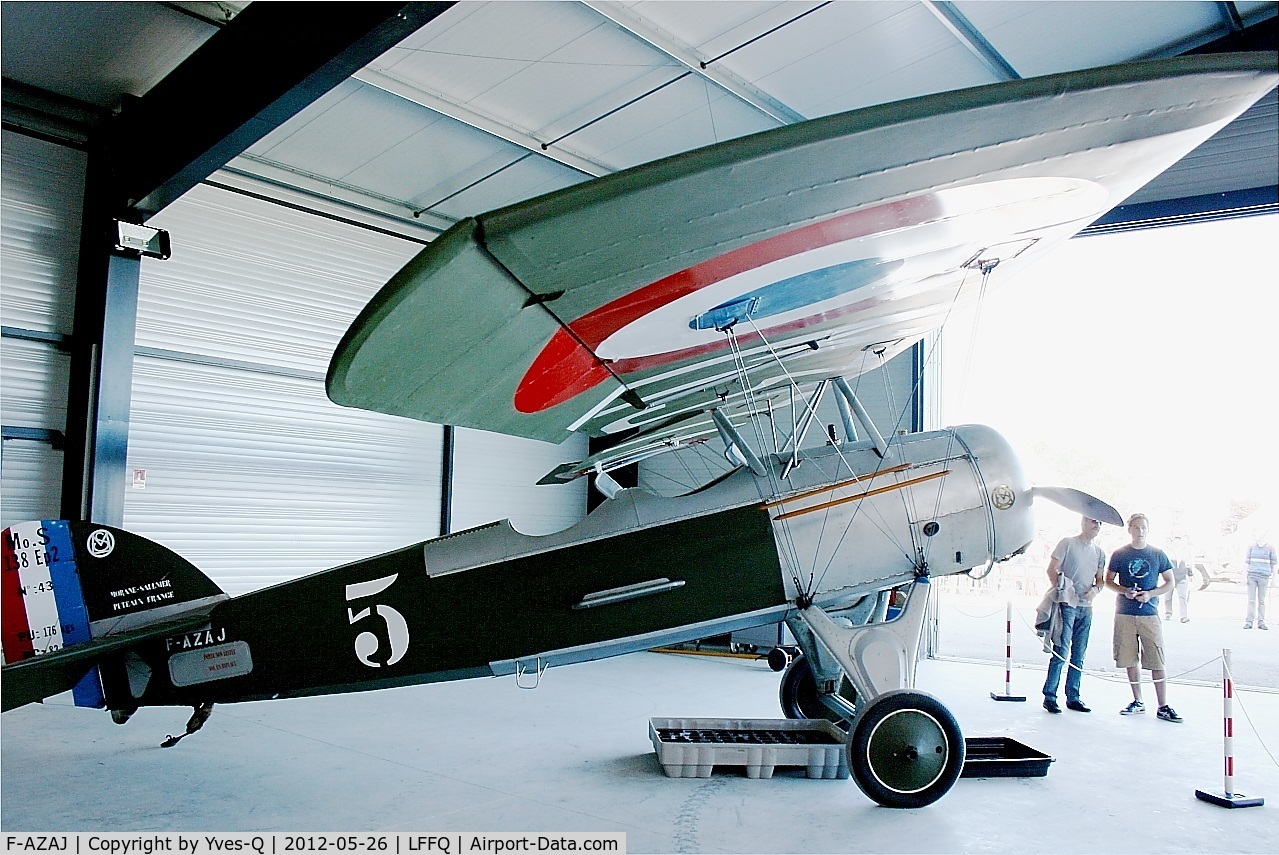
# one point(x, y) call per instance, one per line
point(800, 697)
point(905, 749)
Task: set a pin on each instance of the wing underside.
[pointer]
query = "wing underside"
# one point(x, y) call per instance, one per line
point(638, 301)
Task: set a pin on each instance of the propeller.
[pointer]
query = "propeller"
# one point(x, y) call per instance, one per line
point(1079, 502)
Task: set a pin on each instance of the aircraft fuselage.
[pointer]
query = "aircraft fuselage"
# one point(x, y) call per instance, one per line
point(638, 572)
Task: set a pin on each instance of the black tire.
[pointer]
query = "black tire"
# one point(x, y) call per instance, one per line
point(905, 749)
point(798, 694)
point(779, 658)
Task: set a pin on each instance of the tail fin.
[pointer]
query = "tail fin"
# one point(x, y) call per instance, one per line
point(69, 583)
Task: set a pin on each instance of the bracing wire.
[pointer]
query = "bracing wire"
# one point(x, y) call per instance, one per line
point(901, 414)
point(915, 553)
point(972, 342)
point(883, 528)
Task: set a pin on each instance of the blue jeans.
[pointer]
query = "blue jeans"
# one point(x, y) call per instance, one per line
point(1075, 623)
point(1257, 585)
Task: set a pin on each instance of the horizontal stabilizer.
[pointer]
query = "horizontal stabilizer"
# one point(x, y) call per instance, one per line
point(39, 677)
point(1079, 502)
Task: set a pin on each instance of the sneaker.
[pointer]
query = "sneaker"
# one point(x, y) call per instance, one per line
point(1247, 626)
point(1185, 620)
point(1051, 706)
point(1167, 617)
point(1167, 713)
point(1262, 626)
point(1134, 708)
point(1077, 706)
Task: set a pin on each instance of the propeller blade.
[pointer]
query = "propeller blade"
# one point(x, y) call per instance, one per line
point(1079, 502)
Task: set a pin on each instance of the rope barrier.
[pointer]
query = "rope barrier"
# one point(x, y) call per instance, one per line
point(1227, 799)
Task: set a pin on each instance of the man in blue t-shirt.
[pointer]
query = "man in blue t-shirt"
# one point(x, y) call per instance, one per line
point(1139, 573)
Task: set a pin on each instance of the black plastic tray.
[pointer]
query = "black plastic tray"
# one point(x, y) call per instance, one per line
point(1001, 757)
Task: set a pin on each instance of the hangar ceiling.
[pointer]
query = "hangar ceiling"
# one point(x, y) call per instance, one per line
point(490, 103)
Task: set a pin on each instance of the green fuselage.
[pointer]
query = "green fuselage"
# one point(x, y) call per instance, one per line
point(302, 637)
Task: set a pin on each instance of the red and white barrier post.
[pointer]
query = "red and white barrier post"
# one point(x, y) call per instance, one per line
point(1229, 798)
point(1008, 660)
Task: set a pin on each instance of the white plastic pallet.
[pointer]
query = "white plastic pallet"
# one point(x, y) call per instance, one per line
point(755, 750)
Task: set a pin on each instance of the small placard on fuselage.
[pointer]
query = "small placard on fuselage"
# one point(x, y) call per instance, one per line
point(205, 664)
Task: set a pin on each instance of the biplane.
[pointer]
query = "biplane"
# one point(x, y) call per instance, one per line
point(710, 299)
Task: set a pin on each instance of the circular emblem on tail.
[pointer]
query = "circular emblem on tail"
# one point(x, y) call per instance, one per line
point(101, 543)
point(1002, 497)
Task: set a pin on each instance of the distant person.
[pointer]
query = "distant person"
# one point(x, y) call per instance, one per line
point(1181, 580)
point(1077, 573)
point(1139, 573)
point(1260, 559)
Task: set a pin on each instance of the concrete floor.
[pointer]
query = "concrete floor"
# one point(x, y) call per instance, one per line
point(574, 755)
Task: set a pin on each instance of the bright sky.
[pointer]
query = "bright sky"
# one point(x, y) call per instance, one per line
point(1143, 364)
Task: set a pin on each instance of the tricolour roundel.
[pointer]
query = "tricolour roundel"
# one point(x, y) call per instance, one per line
point(814, 274)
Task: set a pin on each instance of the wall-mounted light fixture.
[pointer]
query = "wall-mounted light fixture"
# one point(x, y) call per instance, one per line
point(131, 237)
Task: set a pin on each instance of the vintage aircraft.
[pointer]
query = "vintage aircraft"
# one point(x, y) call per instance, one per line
point(697, 300)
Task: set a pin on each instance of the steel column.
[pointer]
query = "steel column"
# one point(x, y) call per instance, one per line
point(101, 381)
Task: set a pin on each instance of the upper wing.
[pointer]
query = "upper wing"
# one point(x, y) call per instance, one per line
point(654, 293)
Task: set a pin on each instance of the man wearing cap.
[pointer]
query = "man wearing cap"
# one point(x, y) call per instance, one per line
point(1139, 573)
point(1077, 573)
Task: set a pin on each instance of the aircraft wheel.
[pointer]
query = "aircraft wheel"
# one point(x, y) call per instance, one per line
point(905, 749)
point(780, 657)
point(798, 693)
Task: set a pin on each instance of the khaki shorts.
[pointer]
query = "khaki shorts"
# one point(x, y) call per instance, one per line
point(1142, 634)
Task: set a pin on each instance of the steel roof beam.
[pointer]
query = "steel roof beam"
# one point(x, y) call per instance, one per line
point(1230, 16)
point(258, 71)
point(970, 37)
point(643, 30)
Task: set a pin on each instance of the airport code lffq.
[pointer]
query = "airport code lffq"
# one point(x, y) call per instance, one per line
point(306, 843)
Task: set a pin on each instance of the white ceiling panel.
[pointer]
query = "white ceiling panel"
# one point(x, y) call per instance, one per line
point(544, 67)
point(439, 160)
point(495, 102)
point(526, 177)
point(474, 47)
point(850, 55)
point(1046, 37)
point(332, 137)
point(688, 114)
point(713, 29)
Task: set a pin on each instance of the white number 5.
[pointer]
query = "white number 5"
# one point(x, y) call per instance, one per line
point(397, 629)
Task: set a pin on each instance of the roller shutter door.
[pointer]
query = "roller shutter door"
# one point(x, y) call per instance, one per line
point(237, 459)
point(40, 202)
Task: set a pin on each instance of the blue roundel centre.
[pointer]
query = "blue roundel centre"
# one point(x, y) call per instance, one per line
point(787, 295)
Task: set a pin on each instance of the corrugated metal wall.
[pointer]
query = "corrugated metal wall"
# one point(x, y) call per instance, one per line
point(238, 460)
point(497, 475)
point(40, 202)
